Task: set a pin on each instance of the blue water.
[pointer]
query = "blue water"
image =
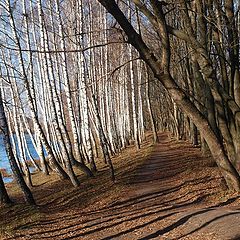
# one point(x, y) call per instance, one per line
point(4, 162)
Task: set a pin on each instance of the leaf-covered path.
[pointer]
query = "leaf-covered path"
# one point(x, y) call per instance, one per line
point(175, 194)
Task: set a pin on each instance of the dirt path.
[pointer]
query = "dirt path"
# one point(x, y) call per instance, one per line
point(175, 194)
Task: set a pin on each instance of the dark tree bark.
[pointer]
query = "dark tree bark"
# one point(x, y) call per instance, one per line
point(4, 198)
point(15, 169)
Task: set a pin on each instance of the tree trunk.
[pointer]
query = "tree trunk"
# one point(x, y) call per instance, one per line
point(15, 169)
point(4, 198)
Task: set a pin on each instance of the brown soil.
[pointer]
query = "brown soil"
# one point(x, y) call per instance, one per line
point(172, 193)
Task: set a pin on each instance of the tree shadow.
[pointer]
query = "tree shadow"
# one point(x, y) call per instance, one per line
point(208, 223)
point(229, 201)
point(174, 225)
point(237, 237)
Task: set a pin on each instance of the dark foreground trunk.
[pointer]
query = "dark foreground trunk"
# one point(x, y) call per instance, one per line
point(13, 163)
point(4, 198)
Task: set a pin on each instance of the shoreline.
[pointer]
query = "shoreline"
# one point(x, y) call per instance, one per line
point(5, 173)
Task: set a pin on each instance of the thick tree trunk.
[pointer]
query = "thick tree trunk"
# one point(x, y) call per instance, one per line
point(15, 169)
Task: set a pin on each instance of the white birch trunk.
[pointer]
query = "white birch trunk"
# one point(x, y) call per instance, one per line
point(67, 83)
point(134, 110)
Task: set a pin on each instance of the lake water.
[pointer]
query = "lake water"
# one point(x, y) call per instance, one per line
point(4, 162)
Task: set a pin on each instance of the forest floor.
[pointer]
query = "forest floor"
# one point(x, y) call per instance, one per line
point(166, 191)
